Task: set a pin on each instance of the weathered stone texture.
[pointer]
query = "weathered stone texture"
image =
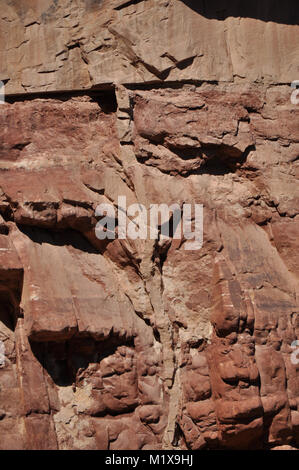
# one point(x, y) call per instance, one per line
point(75, 44)
point(141, 344)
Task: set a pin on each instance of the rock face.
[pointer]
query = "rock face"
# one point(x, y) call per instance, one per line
point(142, 344)
point(75, 44)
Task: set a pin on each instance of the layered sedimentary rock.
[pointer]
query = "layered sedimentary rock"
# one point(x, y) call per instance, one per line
point(67, 44)
point(142, 344)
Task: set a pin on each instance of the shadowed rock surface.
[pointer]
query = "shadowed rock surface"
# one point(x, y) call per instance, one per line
point(142, 344)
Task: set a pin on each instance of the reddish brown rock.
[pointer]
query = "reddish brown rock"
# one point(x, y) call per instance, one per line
point(142, 344)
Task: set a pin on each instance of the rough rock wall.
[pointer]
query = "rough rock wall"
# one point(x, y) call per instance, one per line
point(75, 44)
point(141, 344)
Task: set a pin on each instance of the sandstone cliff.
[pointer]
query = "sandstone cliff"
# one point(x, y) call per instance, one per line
point(141, 344)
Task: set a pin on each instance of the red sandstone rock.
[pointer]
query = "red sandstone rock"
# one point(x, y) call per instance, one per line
point(141, 344)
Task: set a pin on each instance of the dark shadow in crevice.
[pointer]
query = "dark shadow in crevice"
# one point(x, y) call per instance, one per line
point(65, 361)
point(174, 85)
point(105, 98)
point(67, 237)
point(168, 228)
point(127, 4)
point(286, 12)
point(11, 285)
point(222, 160)
point(7, 311)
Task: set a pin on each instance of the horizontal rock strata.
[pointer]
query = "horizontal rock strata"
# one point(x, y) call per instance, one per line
point(141, 344)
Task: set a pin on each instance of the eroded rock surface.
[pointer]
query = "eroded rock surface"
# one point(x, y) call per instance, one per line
point(74, 44)
point(142, 344)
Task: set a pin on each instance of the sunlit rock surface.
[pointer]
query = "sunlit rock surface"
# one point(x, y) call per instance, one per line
point(142, 344)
